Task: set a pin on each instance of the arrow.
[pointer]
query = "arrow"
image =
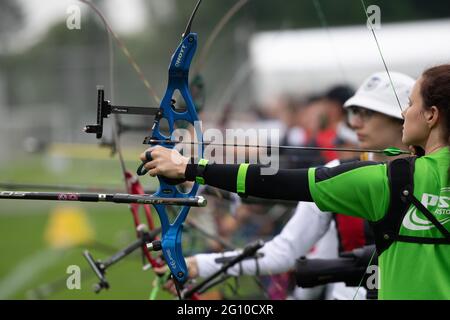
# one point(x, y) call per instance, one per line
point(104, 197)
point(391, 152)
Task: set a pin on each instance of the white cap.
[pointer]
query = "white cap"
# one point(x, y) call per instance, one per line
point(376, 94)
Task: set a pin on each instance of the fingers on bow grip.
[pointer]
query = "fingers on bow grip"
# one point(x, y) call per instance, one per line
point(142, 171)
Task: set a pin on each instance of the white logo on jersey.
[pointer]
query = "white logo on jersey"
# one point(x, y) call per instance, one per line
point(442, 213)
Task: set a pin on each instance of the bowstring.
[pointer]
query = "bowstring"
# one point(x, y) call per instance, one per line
point(372, 29)
point(362, 279)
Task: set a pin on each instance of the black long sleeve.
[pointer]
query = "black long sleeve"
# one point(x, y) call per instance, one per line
point(289, 184)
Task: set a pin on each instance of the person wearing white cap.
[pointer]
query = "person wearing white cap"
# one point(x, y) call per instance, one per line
point(373, 106)
point(374, 111)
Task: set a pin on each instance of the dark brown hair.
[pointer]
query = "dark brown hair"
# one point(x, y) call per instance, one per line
point(435, 91)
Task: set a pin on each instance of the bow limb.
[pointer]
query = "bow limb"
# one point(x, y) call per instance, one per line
point(178, 81)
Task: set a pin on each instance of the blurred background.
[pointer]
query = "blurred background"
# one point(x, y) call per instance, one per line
point(287, 65)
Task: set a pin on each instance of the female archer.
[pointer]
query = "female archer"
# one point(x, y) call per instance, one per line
point(406, 200)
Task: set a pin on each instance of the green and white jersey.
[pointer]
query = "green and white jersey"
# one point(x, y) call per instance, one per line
point(407, 270)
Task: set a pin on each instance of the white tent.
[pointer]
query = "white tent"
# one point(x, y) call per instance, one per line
point(309, 61)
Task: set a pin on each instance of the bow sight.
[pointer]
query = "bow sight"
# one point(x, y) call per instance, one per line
point(105, 108)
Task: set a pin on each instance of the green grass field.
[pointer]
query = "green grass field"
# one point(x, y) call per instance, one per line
point(31, 268)
point(28, 261)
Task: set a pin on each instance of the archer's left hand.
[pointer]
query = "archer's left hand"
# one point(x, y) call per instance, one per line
point(165, 162)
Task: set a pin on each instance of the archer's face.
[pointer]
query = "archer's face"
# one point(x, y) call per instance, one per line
point(375, 130)
point(415, 129)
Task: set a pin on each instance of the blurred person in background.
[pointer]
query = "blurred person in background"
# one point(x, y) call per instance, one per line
point(304, 118)
point(314, 124)
point(334, 116)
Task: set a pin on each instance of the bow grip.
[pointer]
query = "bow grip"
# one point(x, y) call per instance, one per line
point(142, 171)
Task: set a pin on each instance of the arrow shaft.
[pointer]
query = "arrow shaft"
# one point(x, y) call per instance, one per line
point(103, 197)
point(155, 141)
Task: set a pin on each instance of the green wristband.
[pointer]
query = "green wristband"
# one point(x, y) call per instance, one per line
point(200, 170)
point(242, 174)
